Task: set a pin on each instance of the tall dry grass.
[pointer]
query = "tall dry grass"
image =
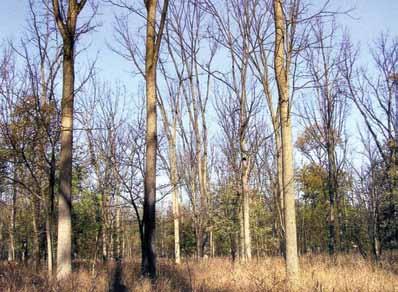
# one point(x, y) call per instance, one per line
point(318, 273)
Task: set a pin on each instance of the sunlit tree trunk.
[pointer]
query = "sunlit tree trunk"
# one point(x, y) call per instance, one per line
point(149, 256)
point(66, 24)
point(176, 205)
point(152, 46)
point(11, 230)
point(36, 231)
point(281, 74)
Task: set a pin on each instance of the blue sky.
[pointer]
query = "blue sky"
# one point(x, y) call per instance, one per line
point(367, 21)
point(370, 18)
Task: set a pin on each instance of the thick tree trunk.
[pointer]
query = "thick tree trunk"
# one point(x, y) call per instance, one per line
point(281, 73)
point(148, 264)
point(64, 242)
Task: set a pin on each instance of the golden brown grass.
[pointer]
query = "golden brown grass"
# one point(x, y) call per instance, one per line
point(318, 273)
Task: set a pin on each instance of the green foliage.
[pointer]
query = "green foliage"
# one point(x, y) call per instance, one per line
point(85, 225)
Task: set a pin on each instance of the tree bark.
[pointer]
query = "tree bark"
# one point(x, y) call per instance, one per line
point(66, 24)
point(11, 248)
point(281, 74)
point(148, 264)
point(176, 205)
point(36, 231)
point(64, 246)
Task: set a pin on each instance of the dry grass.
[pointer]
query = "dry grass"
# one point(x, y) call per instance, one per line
point(318, 273)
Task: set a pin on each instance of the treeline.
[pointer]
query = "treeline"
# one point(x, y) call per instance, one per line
point(228, 92)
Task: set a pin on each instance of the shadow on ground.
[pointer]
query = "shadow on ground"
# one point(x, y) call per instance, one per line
point(126, 277)
point(117, 279)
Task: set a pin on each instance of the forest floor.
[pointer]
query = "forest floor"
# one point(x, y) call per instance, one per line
point(318, 273)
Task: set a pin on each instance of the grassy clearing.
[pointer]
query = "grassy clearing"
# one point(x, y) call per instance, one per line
point(318, 273)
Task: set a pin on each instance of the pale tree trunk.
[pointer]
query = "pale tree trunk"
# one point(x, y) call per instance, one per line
point(245, 168)
point(36, 231)
point(176, 205)
point(149, 256)
point(11, 247)
point(66, 23)
point(49, 199)
point(281, 74)
point(119, 234)
point(212, 244)
point(246, 211)
point(49, 246)
point(241, 233)
point(153, 40)
point(50, 214)
point(280, 195)
point(104, 226)
point(64, 242)
point(171, 132)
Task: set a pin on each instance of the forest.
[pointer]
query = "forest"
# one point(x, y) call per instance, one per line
point(250, 145)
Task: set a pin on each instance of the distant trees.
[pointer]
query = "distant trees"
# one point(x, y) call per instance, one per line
point(256, 100)
point(325, 116)
point(374, 95)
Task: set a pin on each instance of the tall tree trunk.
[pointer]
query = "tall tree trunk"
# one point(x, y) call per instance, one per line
point(176, 205)
point(149, 256)
point(104, 226)
point(11, 247)
point(66, 23)
point(247, 254)
point(281, 74)
point(153, 41)
point(64, 242)
point(36, 232)
point(331, 186)
point(119, 234)
point(241, 232)
point(246, 212)
point(49, 246)
point(279, 188)
point(50, 212)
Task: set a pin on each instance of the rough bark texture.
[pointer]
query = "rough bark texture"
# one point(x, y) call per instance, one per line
point(281, 73)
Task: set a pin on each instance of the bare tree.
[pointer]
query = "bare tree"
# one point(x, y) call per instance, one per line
point(282, 67)
point(153, 41)
point(66, 15)
point(185, 43)
point(374, 96)
point(325, 117)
